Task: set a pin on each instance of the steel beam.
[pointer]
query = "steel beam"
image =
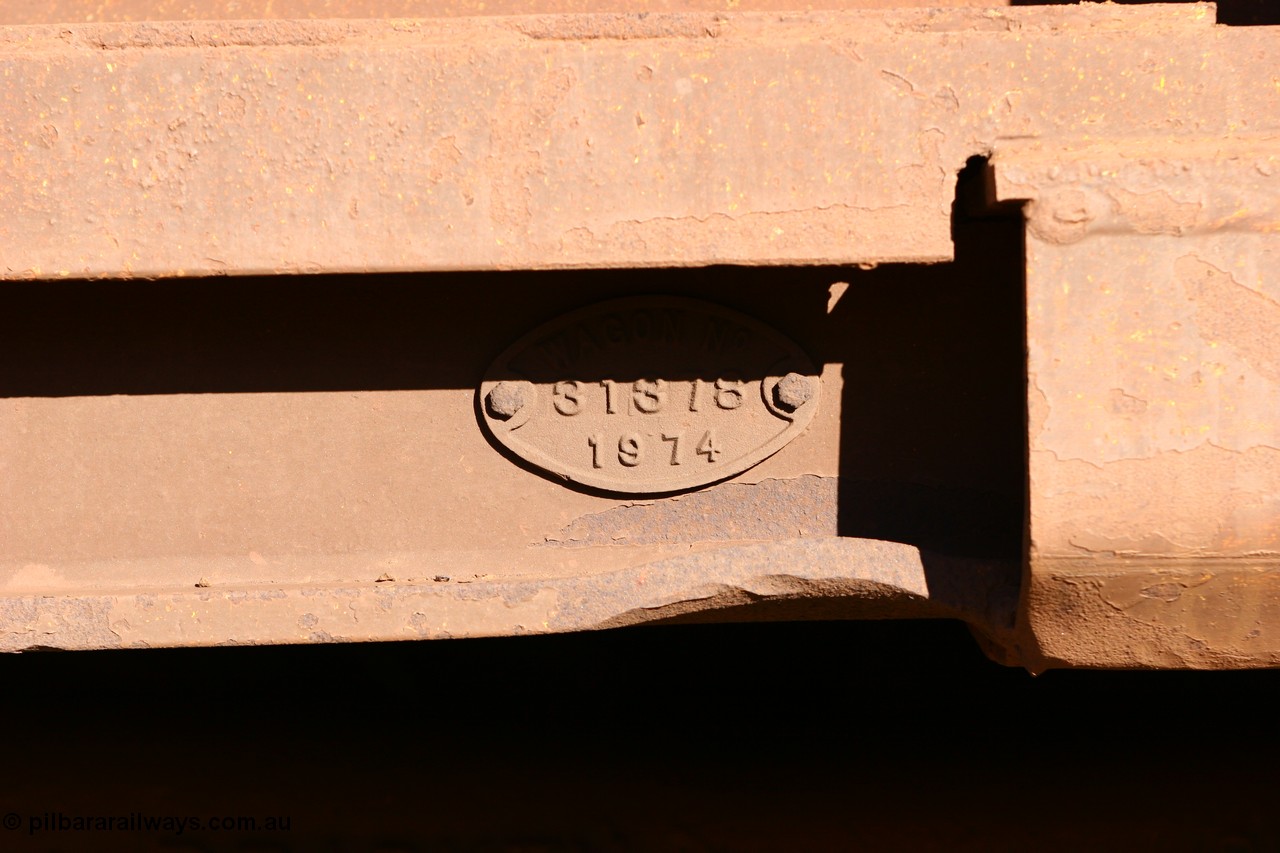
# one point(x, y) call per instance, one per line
point(263, 499)
point(554, 142)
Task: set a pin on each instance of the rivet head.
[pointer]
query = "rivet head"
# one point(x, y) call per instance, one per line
point(508, 398)
point(792, 391)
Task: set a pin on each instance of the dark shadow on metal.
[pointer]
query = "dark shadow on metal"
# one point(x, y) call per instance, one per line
point(336, 332)
point(932, 449)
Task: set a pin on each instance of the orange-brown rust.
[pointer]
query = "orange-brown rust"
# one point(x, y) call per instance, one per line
point(814, 138)
point(99, 11)
point(1154, 383)
point(326, 509)
point(1200, 614)
point(860, 577)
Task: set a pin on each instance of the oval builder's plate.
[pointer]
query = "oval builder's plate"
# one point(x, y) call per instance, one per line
point(649, 394)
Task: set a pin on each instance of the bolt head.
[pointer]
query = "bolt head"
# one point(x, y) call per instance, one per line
point(508, 398)
point(792, 392)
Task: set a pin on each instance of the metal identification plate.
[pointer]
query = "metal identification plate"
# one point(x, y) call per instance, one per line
point(649, 394)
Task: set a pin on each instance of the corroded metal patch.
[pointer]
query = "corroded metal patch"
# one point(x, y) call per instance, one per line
point(649, 394)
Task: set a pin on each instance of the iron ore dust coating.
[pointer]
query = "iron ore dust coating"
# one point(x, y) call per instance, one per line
point(508, 398)
point(693, 314)
point(649, 394)
point(792, 391)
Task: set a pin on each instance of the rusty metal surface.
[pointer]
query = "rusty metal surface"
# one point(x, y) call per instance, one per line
point(564, 141)
point(370, 507)
point(273, 457)
point(102, 11)
point(1154, 390)
point(649, 394)
point(195, 447)
point(823, 577)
